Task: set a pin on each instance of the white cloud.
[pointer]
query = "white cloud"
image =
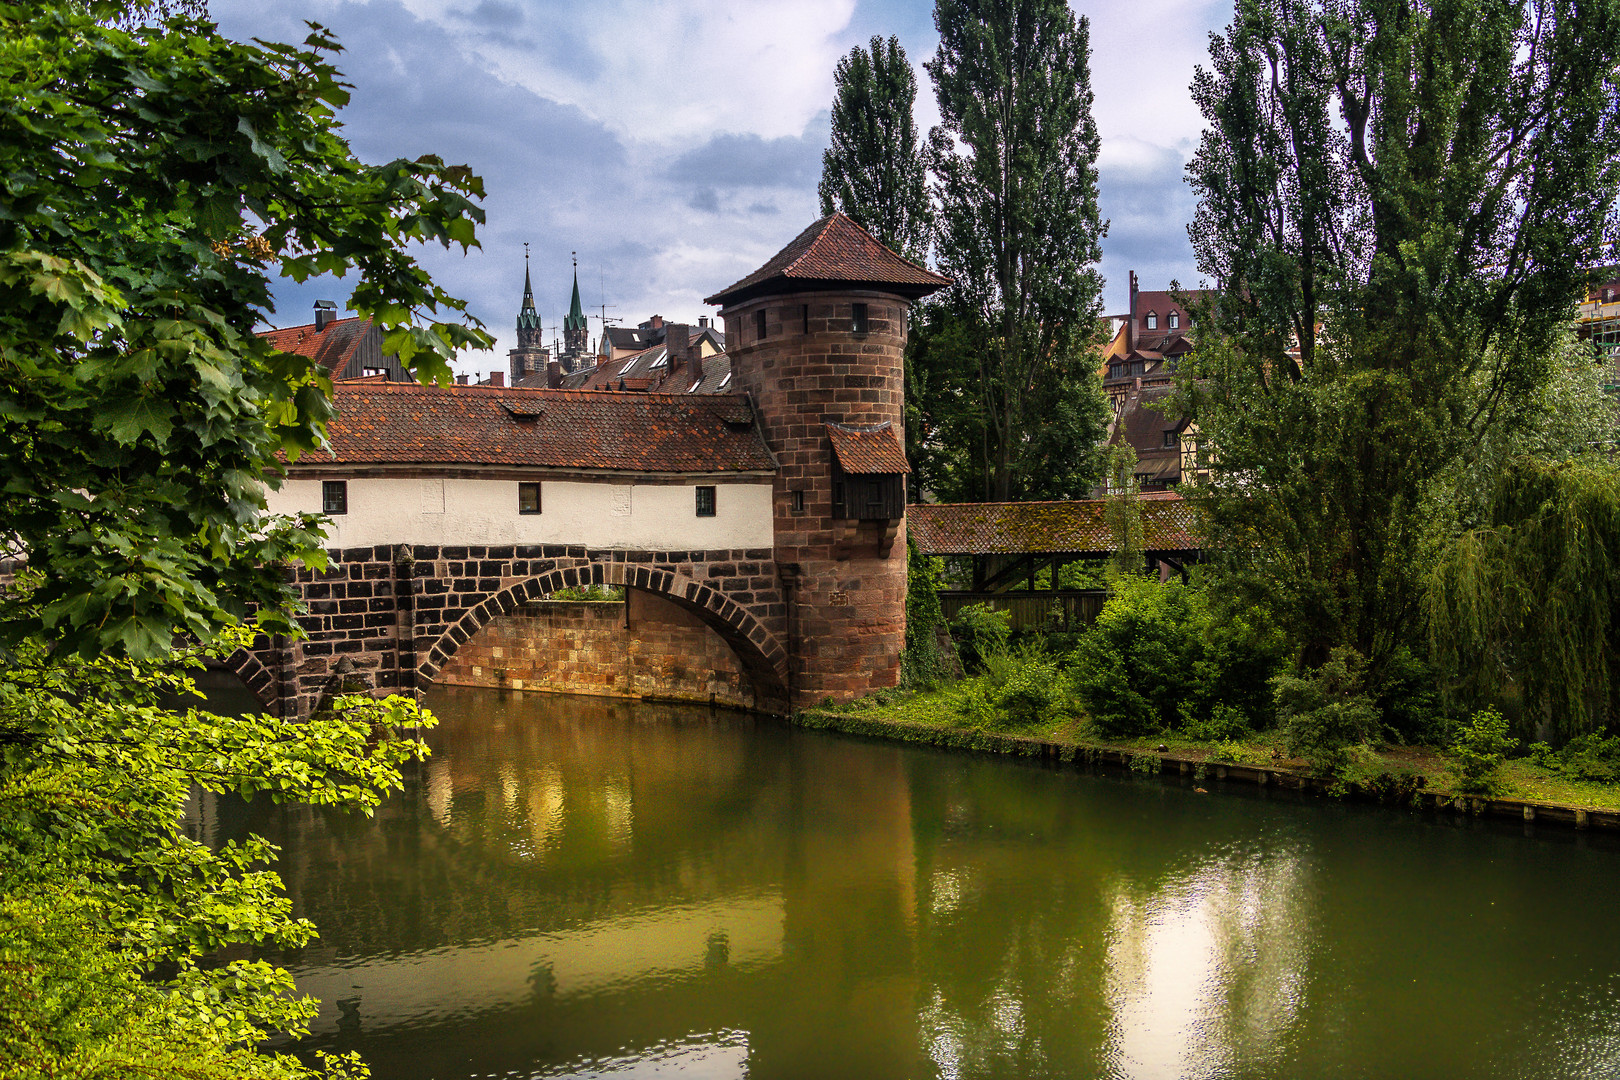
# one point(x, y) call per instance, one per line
point(660, 71)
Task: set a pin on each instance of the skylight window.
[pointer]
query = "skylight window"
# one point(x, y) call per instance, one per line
point(628, 364)
point(725, 382)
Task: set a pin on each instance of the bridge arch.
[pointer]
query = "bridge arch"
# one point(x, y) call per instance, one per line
point(761, 655)
point(257, 678)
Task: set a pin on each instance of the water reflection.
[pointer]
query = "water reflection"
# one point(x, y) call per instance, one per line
point(576, 887)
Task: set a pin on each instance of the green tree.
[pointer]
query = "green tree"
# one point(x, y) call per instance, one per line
point(873, 171)
point(1400, 200)
point(154, 174)
point(1015, 161)
point(153, 177)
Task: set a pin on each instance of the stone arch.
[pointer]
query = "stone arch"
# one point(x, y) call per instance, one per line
point(256, 677)
point(762, 656)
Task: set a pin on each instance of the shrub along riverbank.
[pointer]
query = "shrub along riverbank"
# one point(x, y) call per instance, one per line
point(1166, 670)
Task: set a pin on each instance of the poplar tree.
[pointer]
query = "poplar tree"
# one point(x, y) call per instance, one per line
point(1401, 201)
point(1015, 162)
point(873, 171)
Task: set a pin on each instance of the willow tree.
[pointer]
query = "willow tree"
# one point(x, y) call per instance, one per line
point(1401, 201)
point(873, 169)
point(1015, 162)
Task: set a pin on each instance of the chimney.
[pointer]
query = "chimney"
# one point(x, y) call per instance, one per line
point(461, 380)
point(553, 374)
point(1130, 333)
point(497, 378)
point(656, 322)
point(325, 313)
point(703, 322)
point(676, 338)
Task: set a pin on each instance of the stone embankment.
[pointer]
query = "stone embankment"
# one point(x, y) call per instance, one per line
point(1408, 790)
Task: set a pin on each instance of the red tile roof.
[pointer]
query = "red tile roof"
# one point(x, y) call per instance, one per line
point(407, 424)
point(332, 347)
point(834, 250)
point(864, 450)
point(1077, 527)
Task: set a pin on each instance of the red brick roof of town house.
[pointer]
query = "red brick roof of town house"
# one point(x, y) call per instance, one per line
point(332, 348)
point(866, 450)
point(834, 252)
point(408, 424)
point(1075, 527)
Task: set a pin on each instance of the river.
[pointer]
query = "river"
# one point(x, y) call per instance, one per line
point(572, 887)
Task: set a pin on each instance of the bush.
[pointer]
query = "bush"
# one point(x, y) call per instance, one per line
point(1585, 757)
point(1326, 712)
point(980, 632)
point(922, 665)
point(1157, 657)
point(1482, 744)
point(1224, 723)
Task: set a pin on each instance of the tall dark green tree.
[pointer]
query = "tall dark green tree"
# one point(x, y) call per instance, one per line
point(873, 170)
point(1401, 200)
point(1015, 166)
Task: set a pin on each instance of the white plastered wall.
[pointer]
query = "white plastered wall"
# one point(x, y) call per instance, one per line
point(636, 517)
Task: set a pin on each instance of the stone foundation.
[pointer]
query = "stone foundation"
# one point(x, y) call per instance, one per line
point(643, 647)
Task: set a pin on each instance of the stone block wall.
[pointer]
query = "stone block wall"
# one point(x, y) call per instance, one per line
point(399, 615)
point(643, 647)
point(810, 369)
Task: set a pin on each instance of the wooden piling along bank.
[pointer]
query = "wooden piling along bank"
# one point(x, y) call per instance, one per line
point(1409, 793)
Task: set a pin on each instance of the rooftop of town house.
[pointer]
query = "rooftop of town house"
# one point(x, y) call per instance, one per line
point(868, 450)
point(1078, 526)
point(834, 252)
point(331, 346)
point(408, 424)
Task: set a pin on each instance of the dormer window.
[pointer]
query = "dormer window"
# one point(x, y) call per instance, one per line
point(1152, 321)
point(1175, 320)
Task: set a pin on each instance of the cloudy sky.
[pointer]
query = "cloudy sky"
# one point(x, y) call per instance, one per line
point(675, 145)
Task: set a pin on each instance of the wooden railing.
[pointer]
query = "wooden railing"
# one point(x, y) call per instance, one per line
point(1053, 609)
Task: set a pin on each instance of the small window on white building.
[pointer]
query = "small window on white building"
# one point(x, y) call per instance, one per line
point(705, 501)
point(529, 497)
point(334, 496)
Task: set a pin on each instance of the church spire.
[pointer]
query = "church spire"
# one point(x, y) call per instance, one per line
point(575, 334)
point(528, 319)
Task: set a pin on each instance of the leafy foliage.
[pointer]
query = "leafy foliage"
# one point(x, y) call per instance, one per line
point(1400, 200)
point(1482, 745)
point(1585, 757)
point(1158, 657)
point(980, 632)
point(108, 906)
point(1326, 713)
point(872, 169)
point(1015, 161)
point(921, 664)
point(153, 177)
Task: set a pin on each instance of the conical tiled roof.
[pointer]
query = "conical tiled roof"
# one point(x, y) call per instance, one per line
point(834, 252)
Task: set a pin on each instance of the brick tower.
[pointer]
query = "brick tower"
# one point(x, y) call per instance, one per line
point(817, 337)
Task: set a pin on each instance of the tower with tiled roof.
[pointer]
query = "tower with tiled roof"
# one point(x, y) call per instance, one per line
point(576, 334)
point(817, 336)
point(529, 358)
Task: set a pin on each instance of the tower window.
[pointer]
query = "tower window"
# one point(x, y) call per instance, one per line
point(798, 502)
point(529, 497)
point(334, 496)
point(804, 310)
point(1152, 321)
point(857, 322)
point(759, 324)
point(705, 501)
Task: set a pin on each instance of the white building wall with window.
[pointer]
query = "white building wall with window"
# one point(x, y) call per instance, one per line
point(598, 514)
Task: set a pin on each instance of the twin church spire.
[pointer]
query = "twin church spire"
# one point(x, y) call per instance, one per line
point(530, 357)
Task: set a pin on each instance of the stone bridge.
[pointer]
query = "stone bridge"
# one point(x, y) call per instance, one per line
point(399, 613)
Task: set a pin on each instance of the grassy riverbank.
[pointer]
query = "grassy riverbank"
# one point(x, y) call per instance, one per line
point(954, 715)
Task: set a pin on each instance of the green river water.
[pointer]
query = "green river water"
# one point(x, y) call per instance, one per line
point(577, 888)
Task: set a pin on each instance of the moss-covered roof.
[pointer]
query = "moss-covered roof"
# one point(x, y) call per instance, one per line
point(1074, 527)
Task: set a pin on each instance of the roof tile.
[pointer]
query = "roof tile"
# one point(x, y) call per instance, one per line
point(866, 450)
point(834, 249)
point(400, 424)
point(1076, 527)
